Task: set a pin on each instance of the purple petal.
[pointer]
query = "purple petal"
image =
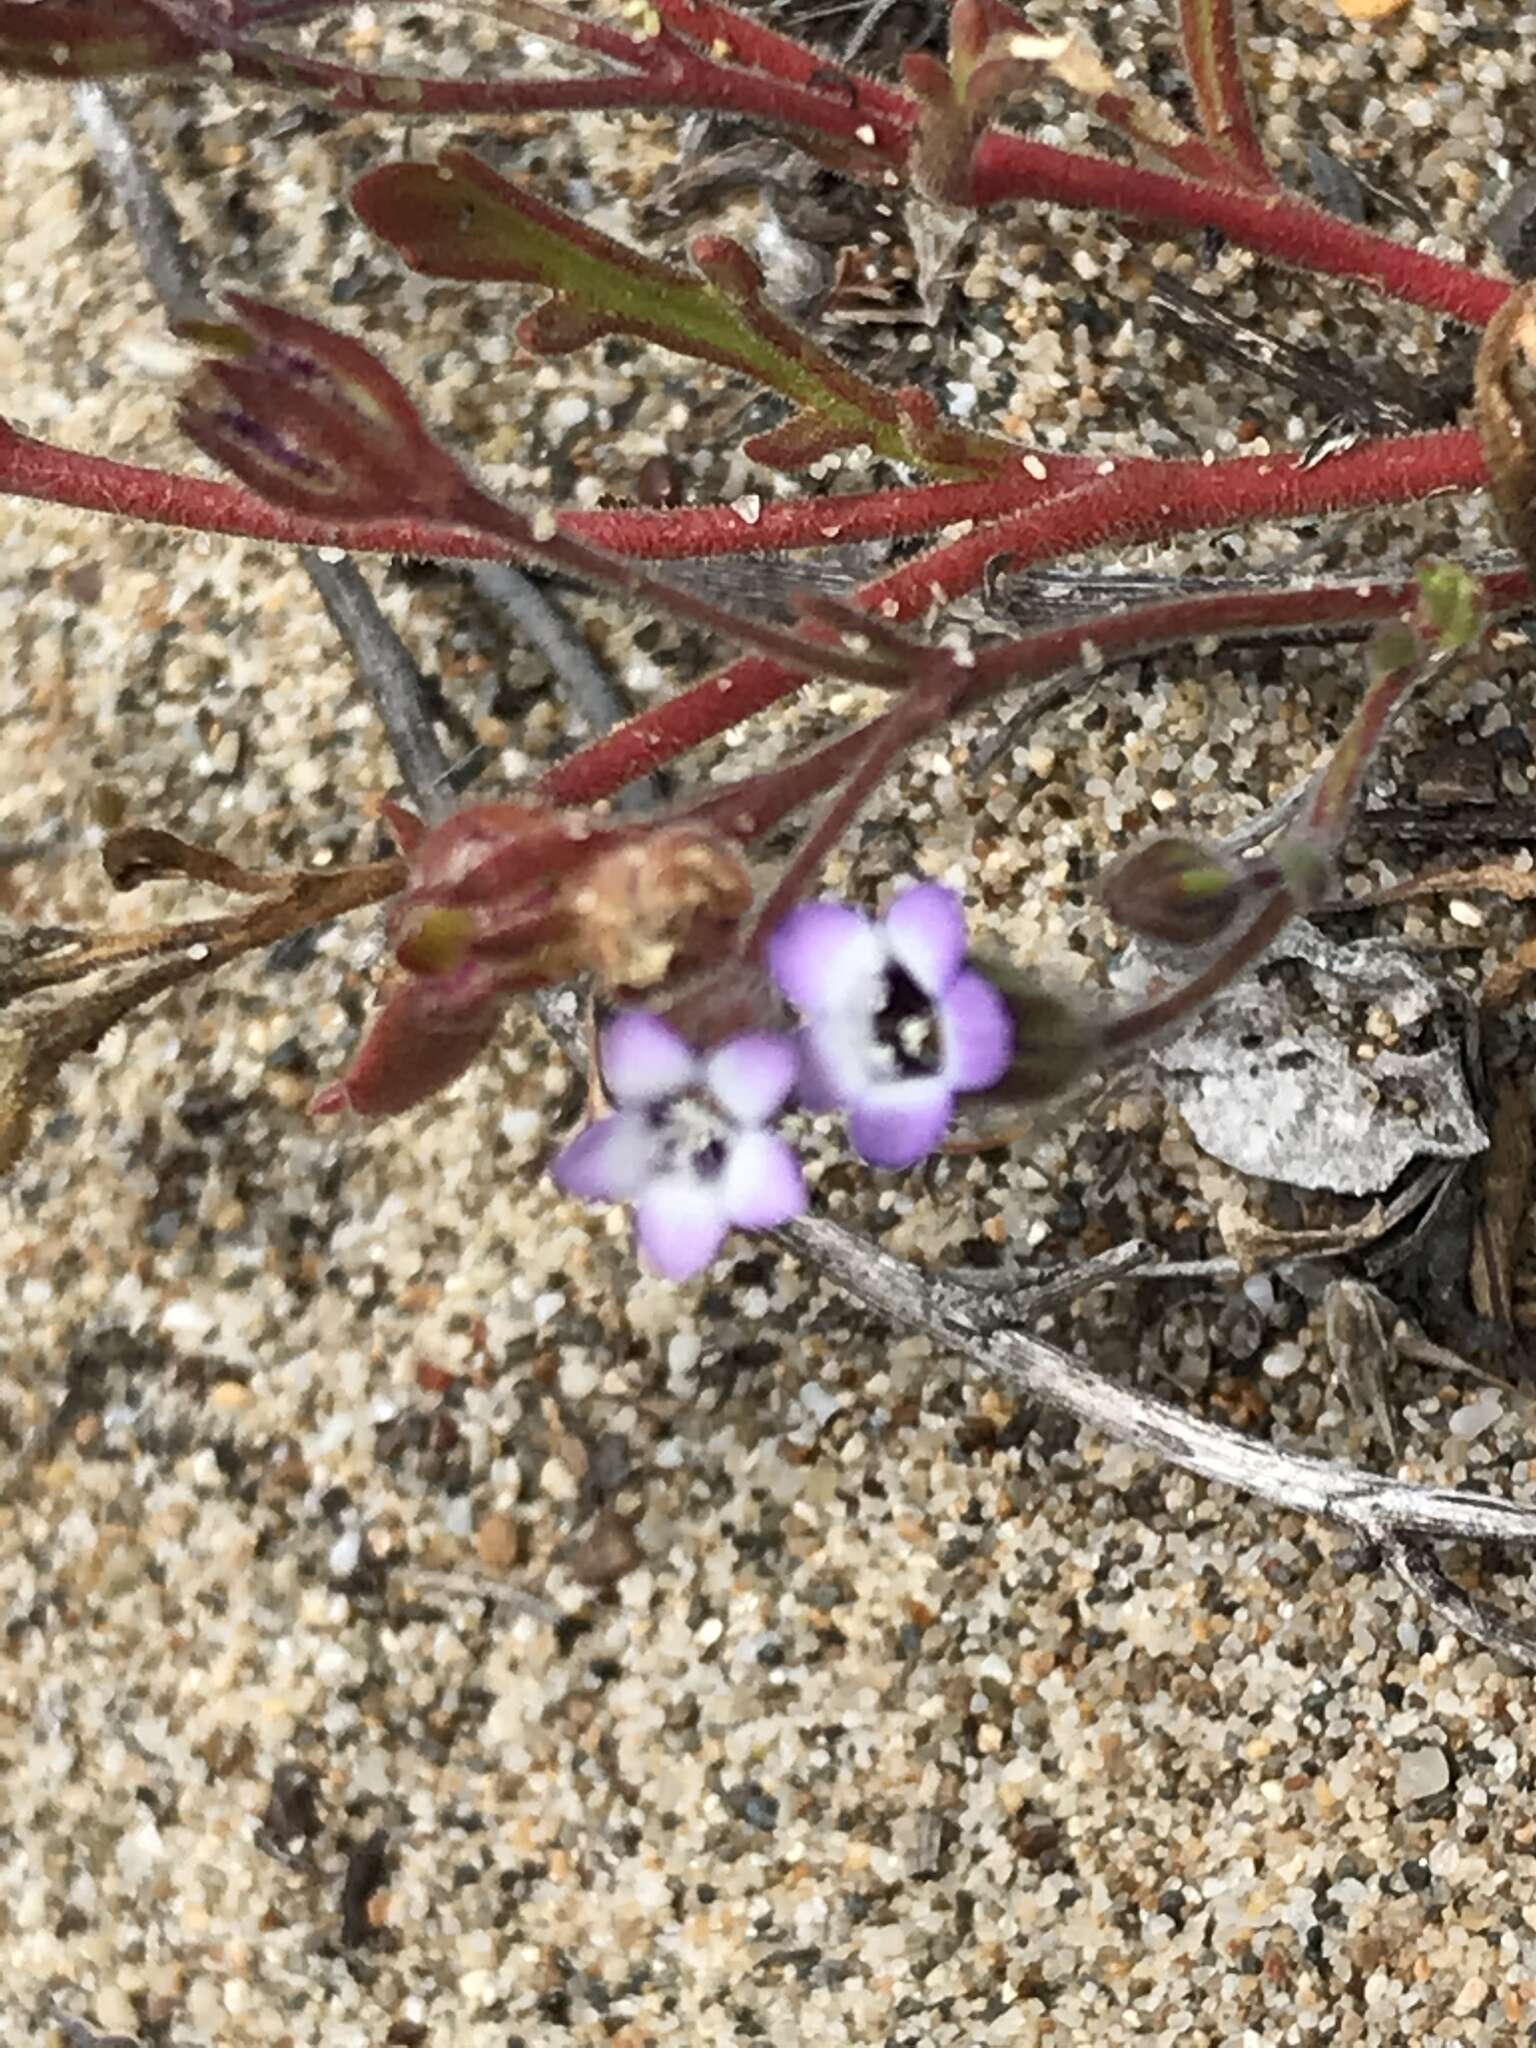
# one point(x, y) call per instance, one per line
point(645, 1060)
point(763, 1184)
point(816, 1088)
point(824, 954)
point(978, 1033)
point(925, 930)
point(751, 1076)
point(681, 1223)
point(901, 1123)
point(607, 1162)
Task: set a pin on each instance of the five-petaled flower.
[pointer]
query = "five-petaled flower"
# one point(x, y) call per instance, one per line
point(688, 1142)
point(896, 1023)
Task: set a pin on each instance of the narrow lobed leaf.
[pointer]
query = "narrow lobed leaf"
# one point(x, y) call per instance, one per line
point(461, 219)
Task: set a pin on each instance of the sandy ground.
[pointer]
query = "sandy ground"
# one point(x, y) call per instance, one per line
point(418, 1628)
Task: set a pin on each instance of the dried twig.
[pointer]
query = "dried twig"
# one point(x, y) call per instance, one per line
point(388, 673)
point(585, 684)
point(1375, 1508)
point(1454, 1607)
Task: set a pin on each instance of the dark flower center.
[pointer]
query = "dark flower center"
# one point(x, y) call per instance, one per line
point(907, 1026)
point(689, 1133)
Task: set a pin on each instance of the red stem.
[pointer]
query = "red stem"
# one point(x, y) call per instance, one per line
point(667, 73)
point(927, 704)
point(1269, 221)
point(781, 57)
point(783, 83)
point(755, 804)
point(96, 483)
point(1274, 224)
point(1144, 501)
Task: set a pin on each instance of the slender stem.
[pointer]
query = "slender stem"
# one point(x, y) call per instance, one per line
point(1213, 33)
point(1136, 1026)
point(1009, 168)
point(667, 73)
point(925, 705)
point(49, 474)
point(1050, 659)
point(747, 39)
point(1144, 501)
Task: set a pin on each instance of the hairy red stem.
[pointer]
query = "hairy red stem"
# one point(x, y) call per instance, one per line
point(1274, 224)
point(1144, 501)
point(757, 803)
point(96, 483)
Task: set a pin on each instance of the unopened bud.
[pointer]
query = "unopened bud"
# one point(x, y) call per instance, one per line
point(1175, 890)
point(313, 421)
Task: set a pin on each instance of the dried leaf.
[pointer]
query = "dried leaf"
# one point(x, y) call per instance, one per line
point(1270, 1079)
point(62, 992)
point(1507, 979)
point(145, 853)
point(1518, 884)
point(1360, 1351)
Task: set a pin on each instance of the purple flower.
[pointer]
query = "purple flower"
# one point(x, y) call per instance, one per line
point(687, 1142)
point(896, 1024)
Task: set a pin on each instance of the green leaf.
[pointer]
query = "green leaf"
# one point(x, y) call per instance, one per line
point(459, 218)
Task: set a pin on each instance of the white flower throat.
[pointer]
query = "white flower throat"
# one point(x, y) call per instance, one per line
point(690, 1135)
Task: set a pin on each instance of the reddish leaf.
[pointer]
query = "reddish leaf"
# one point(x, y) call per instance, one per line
point(421, 1041)
point(98, 39)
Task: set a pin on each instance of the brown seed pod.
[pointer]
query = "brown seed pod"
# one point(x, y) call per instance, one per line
point(1506, 416)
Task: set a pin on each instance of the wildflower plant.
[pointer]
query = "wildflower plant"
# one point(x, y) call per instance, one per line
point(738, 1001)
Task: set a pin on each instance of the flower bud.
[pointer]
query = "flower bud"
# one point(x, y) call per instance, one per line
point(1173, 889)
point(1450, 603)
point(314, 422)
